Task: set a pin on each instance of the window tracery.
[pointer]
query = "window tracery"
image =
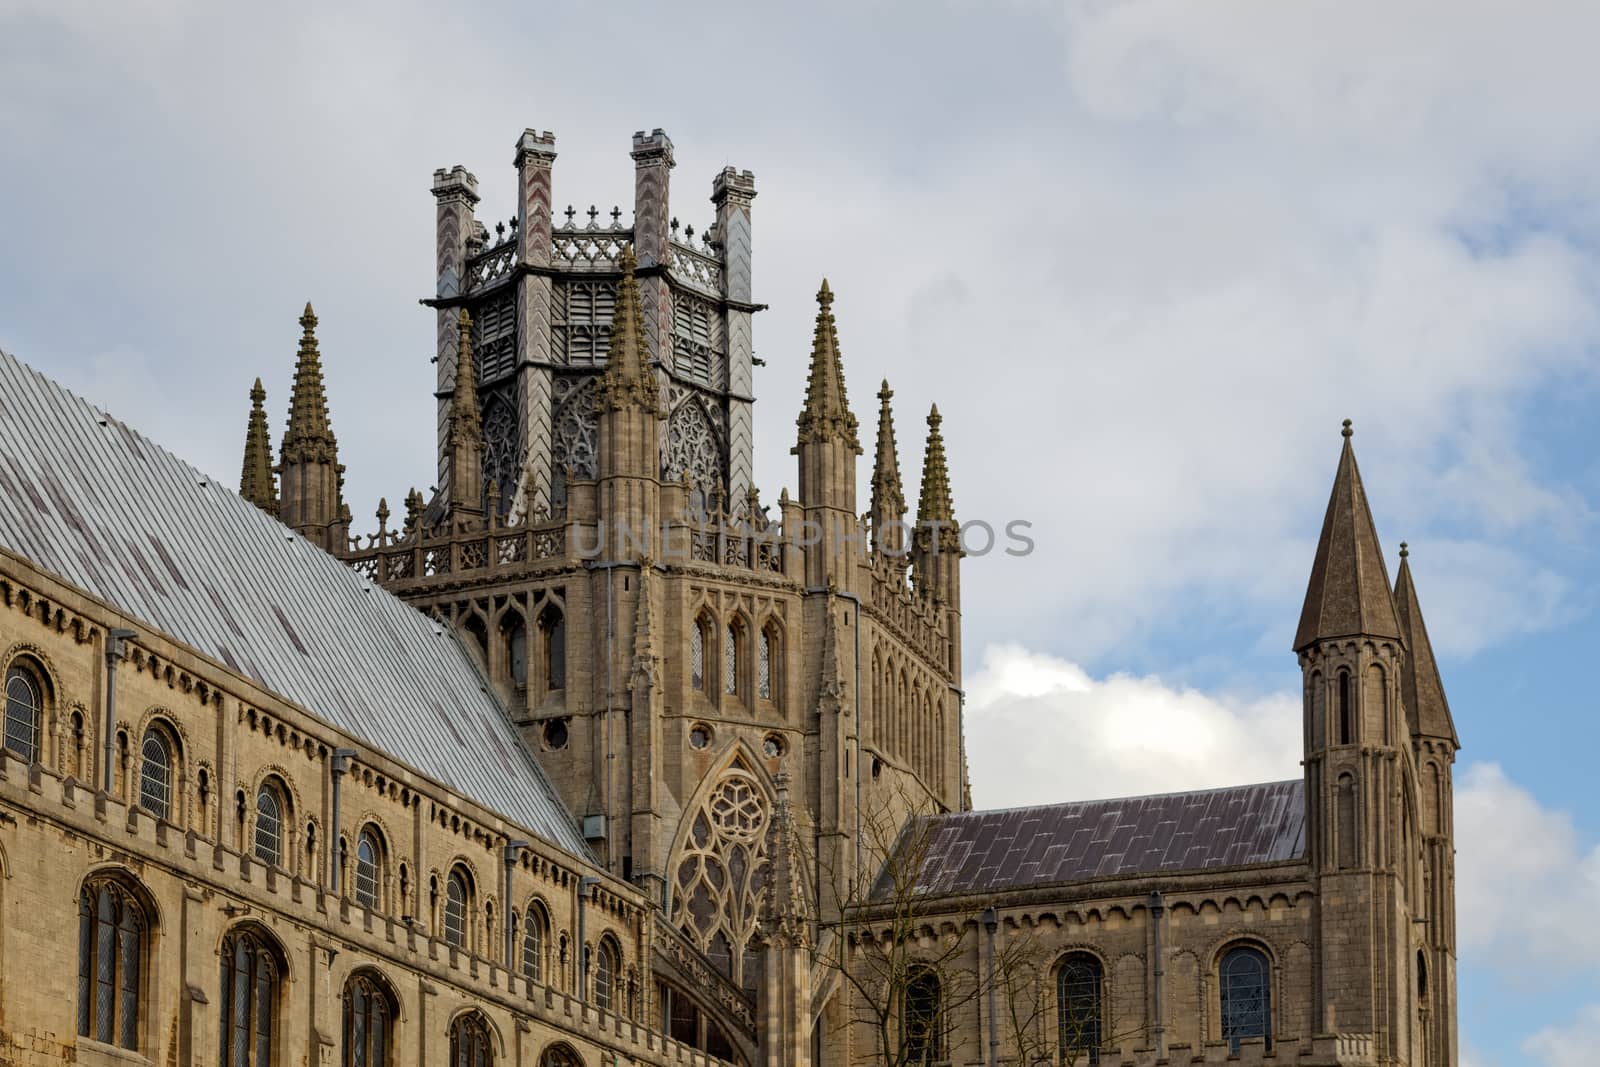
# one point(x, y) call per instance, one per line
point(693, 446)
point(576, 432)
point(1078, 1005)
point(1246, 977)
point(111, 936)
point(249, 1001)
point(722, 869)
point(502, 454)
point(469, 1042)
point(368, 1023)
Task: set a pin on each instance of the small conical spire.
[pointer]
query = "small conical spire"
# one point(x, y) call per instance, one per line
point(827, 412)
point(465, 420)
point(888, 493)
point(1421, 690)
point(255, 480)
point(1348, 594)
point(310, 434)
point(786, 912)
point(628, 378)
point(935, 505)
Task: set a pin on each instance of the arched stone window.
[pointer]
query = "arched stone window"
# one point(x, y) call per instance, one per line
point(921, 1018)
point(515, 635)
point(1346, 727)
point(155, 774)
point(722, 871)
point(732, 658)
point(456, 896)
point(271, 818)
point(111, 950)
point(1245, 982)
point(24, 709)
point(560, 1055)
point(553, 643)
point(535, 928)
point(699, 641)
point(469, 1042)
point(369, 868)
point(369, 1012)
point(768, 663)
point(1079, 1000)
point(607, 970)
point(248, 1005)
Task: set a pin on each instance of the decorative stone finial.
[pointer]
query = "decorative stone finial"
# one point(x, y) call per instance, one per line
point(1348, 432)
point(1404, 552)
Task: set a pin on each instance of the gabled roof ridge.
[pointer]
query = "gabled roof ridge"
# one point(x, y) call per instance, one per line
point(950, 815)
point(405, 691)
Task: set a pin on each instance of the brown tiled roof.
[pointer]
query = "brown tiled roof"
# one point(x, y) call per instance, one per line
point(977, 851)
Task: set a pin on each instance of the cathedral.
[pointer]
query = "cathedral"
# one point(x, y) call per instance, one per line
point(590, 756)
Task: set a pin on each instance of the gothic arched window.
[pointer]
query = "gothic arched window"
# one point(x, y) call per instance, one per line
point(111, 941)
point(722, 872)
point(455, 909)
point(921, 1031)
point(1078, 1005)
point(1346, 732)
point(516, 642)
point(766, 660)
point(697, 653)
point(24, 710)
point(607, 967)
point(270, 819)
point(534, 927)
point(731, 657)
point(560, 1055)
point(368, 1022)
point(155, 774)
point(369, 868)
point(1246, 985)
point(249, 1001)
point(553, 638)
point(469, 1042)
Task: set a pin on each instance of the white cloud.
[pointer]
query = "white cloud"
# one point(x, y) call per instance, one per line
point(1571, 1044)
point(1523, 873)
point(1117, 736)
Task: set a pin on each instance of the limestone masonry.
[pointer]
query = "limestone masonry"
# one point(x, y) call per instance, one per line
point(594, 758)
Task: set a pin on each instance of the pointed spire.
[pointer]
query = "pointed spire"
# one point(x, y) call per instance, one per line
point(888, 494)
point(1348, 594)
point(628, 378)
point(934, 505)
point(310, 434)
point(827, 412)
point(255, 480)
point(786, 911)
point(1421, 689)
point(465, 421)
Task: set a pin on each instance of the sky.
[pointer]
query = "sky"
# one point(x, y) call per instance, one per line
point(1144, 254)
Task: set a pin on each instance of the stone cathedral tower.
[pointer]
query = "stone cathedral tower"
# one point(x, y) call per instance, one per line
point(679, 655)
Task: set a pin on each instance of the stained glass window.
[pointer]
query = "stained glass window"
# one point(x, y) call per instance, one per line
point(730, 661)
point(455, 910)
point(920, 1024)
point(249, 997)
point(697, 656)
point(367, 1023)
point(469, 1043)
point(764, 664)
point(23, 707)
point(155, 776)
point(1246, 996)
point(269, 826)
point(111, 930)
point(368, 855)
point(1078, 1007)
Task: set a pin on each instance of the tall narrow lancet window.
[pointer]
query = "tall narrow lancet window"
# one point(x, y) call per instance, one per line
point(248, 1010)
point(24, 707)
point(1246, 987)
point(553, 636)
point(533, 939)
point(369, 857)
point(155, 775)
point(111, 940)
point(1346, 735)
point(730, 661)
point(368, 1023)
point(921, 1030)
point(606, 968)
point(764, 663)
point(517, 651)
point(697, 655)
point(269, 826)
point(1078, 1009)
point(455, 910)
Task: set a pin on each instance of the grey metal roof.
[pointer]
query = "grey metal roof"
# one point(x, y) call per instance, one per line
point(995, 850)
point(84, 496)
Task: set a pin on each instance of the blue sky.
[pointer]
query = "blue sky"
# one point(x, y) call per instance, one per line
point(1145, 255)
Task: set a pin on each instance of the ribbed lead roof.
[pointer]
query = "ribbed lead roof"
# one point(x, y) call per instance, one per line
point(84, 496)
point(975, 851)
